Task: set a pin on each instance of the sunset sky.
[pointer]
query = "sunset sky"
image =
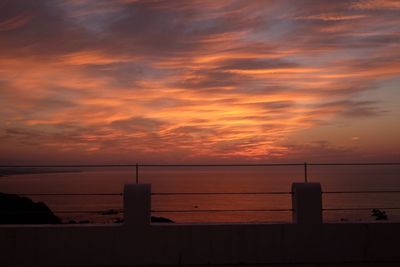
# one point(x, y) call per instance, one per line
point(125, 81)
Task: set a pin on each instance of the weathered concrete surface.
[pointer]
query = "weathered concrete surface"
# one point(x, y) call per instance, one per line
point(176, 244)
point(137, 204)
point(307, 203)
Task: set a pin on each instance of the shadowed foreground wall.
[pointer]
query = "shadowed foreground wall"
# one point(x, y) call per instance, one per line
point(199, 244)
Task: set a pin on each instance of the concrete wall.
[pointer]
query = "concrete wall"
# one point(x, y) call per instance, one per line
point(140, 243)
point(198, 244)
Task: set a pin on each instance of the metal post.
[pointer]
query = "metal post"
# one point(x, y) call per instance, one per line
point(137, 173)
point(305, 172)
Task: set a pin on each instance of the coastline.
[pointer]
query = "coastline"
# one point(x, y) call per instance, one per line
point(22, 171)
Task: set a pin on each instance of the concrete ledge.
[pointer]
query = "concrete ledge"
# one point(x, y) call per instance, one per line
point(198, 244)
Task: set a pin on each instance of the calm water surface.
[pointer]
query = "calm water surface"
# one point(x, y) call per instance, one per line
point(216, 179)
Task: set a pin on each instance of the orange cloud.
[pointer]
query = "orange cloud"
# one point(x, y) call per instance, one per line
point(14, 22)
point(195, 80)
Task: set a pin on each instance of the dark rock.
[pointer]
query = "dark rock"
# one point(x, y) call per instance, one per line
point(22, 210)
point(109, 212)
point(119, 220)
point(160, 220)
point(153, 220)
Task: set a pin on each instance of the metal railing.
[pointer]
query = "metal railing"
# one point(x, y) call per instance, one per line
point(138, 166)
point(305, 166)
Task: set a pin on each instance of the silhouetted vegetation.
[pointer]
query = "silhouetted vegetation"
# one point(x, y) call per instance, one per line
point(379, 214)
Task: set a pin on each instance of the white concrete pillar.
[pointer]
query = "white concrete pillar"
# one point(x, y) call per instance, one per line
point(137, 205)
point(307, 203)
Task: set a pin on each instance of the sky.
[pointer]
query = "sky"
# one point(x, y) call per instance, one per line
point(124, 81)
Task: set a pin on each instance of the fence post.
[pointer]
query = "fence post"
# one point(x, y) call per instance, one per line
point(137, 205)
point(305, 172)
point(307, 203)
point(137, 173)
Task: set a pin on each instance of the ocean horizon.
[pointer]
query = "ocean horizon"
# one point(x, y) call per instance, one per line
point(108, 208)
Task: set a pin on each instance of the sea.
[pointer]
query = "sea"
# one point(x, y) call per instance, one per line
point(108, 183)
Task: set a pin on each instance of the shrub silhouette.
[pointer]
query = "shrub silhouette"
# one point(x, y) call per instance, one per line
point(379, 214)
